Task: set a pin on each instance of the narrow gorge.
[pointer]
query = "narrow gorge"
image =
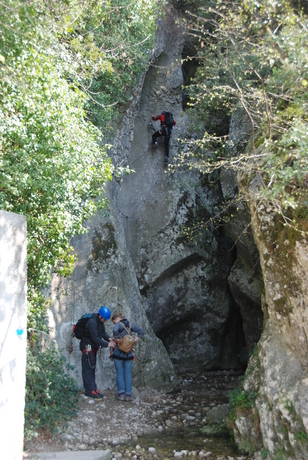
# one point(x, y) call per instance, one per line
point(235, 297)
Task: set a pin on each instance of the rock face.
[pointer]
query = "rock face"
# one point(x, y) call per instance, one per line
point(271, 269)
point(188, 293)
point(245, 279)
point(183, 284)
point(277, 375)
point(199, 301)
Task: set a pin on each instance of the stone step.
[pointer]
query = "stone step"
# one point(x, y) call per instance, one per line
point(69, 455)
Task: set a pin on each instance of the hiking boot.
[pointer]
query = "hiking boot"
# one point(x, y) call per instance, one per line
point(121, 397)
point(94, 394)
point(128, 398)
point(166, 159)
point(99, 395)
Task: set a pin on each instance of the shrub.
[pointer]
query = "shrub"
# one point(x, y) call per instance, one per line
point(240, 401)
point(51, 394)
point(251, 61)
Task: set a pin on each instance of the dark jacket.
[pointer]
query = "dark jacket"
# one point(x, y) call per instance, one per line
point(95, 332)
point(119, 331)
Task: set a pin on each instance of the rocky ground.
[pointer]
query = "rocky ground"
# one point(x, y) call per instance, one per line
point(154, 425)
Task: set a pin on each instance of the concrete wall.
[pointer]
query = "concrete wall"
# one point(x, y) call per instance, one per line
point(13, 323)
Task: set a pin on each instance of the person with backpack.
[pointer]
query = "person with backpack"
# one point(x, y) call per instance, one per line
point(123, 360)
point(166, 124)
point(93, 338)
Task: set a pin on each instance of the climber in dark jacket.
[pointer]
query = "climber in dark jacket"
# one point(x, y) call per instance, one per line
point(95, 338)
point(165, 130)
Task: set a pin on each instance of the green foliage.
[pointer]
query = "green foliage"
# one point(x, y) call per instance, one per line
point(215, 430)
point(65, 66)
point(111, 43)
point(253, 63)
point(301, 435)
point(280, 454)
point(51, 166)
point(290, 407)
point(299, 431)
point(240, 401)
point(61, 64)
point(51, 395)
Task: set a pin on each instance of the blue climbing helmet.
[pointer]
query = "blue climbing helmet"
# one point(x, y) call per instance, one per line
point(104, 312)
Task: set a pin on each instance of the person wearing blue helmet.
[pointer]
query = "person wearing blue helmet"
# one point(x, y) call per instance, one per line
point(94, 338)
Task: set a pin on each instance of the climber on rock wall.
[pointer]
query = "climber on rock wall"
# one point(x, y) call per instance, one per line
point(166, 124)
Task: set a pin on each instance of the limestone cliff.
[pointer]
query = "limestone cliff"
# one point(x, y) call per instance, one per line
point(198, 301)
point(271, 411)
point(277, 375)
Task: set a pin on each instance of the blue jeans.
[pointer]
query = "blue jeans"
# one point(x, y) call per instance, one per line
point(124, 375)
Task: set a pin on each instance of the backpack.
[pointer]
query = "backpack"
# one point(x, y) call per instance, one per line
point(169, 120)
point(79, 329)
point(127, 342)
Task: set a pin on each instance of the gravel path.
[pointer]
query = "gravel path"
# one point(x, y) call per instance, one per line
point(122, 426)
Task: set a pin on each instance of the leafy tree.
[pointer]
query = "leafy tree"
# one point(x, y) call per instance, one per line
point(52, 166)
point(110, 45)
point(67, 67)
point(252, 57)
point(61, 64)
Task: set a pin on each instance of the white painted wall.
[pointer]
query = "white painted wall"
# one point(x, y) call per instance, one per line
point(13, 333)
